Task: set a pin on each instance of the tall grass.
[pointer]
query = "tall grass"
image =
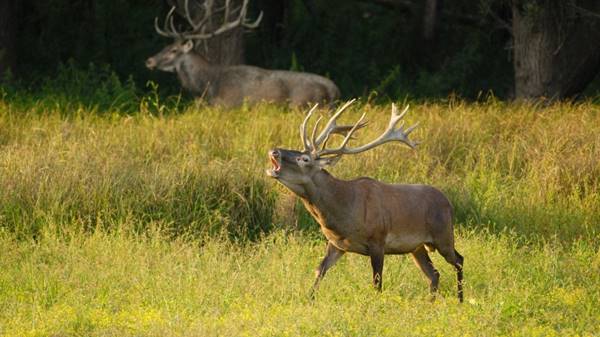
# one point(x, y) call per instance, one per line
point(161, 222)
point(89, 171)
point(519, 167)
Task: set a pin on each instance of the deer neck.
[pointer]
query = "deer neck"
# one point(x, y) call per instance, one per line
point(327, 198)
point(197, 75)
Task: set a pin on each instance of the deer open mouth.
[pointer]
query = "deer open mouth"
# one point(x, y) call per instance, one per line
point(274, 172)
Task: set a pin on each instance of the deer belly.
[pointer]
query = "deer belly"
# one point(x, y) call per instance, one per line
point(402, 244)
point(347, 244)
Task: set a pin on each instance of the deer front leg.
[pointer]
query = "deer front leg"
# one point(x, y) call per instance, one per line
point(331, 256)
point(376, 253)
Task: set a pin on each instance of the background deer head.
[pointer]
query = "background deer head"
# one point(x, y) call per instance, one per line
point(201, 17)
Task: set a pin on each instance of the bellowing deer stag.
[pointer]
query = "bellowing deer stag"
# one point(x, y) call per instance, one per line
point(231, 85)
point(366, 216)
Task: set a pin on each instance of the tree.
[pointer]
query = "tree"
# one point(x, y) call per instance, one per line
point(430, 19)
point(556, 47)
point(7, 37)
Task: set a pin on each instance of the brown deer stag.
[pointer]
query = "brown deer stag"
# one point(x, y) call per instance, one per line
point(366, 216)
point(231, 85)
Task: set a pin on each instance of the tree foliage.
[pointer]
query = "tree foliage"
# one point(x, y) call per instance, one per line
point(386, 48)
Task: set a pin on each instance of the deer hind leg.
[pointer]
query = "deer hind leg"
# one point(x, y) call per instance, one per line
point(457, 260)
point(331, 256)
point(424, 263)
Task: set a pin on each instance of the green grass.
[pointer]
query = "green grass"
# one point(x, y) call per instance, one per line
point(163, 223)
point(126, 285)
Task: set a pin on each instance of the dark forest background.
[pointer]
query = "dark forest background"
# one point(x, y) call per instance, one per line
point(383, 48)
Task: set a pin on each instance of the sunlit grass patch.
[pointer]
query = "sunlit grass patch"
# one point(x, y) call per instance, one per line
point(130, 285)
point(164, 224)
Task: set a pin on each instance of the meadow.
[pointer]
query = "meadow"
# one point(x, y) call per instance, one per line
point(161, 222)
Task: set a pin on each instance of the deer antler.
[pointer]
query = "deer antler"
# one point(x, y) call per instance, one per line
point(312, 145)
point(308, 147)
point(199, 26)
point(166, 31)
point(332, 127)
point(391, 133)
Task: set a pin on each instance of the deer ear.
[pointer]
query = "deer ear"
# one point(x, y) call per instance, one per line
point(323, 162)
point(187, 46)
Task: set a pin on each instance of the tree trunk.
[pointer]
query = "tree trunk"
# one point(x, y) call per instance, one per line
point(225, 49)
point(430, 20)
point(7, 37)
point(556, 47)
point(424, 21)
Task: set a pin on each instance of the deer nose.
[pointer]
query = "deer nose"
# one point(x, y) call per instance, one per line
point(150, 63)
point(274, 153)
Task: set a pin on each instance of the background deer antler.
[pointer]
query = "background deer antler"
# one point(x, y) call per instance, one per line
point(199, 24)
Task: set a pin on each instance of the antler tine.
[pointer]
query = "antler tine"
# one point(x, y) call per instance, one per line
point(342, 147)
point(227, 25)
point(188, 15)
point(172, 25)
point(255, 23)
point(331, 124)
point(165, 31)
point(307, 146)
point(390, 134)
point(158, 30)
point(314, 133)
point(207, 13)
point(242, 16)
point(394, 120)
point(226, 15)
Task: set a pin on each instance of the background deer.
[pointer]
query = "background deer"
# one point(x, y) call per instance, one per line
point(366, 216)
point(231, 85)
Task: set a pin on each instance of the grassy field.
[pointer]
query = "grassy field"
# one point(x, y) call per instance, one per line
point(162, 223)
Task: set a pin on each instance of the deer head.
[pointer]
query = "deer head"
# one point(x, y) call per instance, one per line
point(168, 58)
point(200, 29)
point(297, 169)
